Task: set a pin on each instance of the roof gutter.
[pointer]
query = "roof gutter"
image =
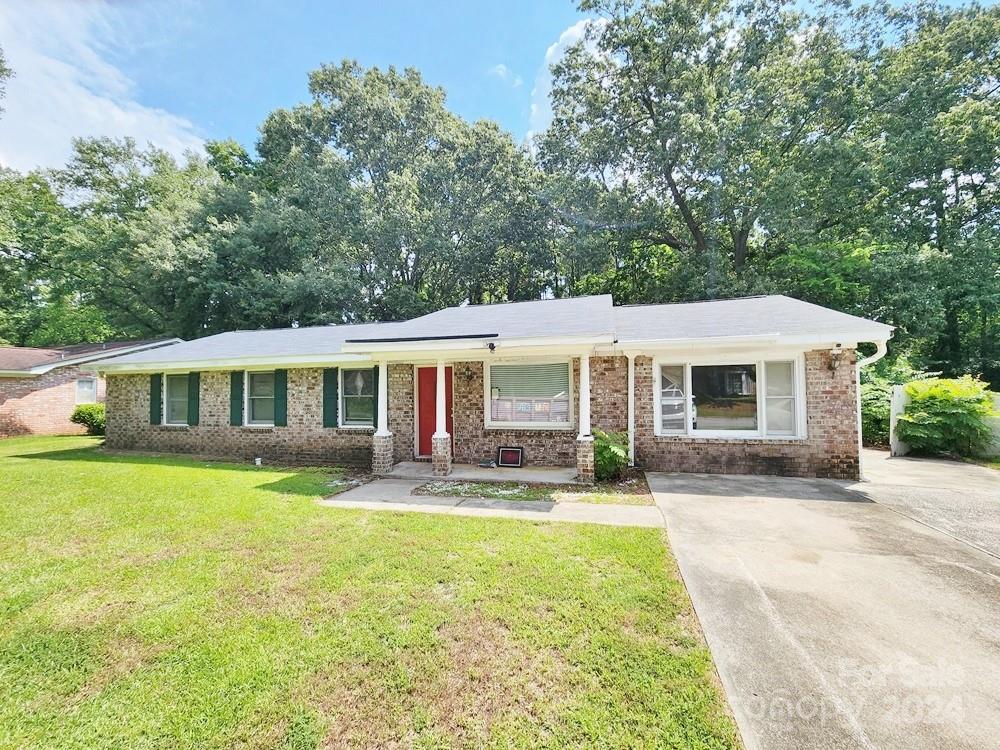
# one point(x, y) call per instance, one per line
point(881, 349)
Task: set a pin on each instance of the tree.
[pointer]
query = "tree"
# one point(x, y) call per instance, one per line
point(699, 118)
point(846, 155)
point(5, 75)
point(433, 211)
point(129, 245)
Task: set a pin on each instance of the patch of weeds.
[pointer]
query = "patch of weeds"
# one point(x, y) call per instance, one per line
point(629, 489)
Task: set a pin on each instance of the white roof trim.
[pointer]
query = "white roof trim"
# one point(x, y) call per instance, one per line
point(90, 357)
point(237, 363)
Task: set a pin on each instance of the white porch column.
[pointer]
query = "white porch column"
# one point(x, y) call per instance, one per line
point(441, 440)
point(440, 422)
point(631, 409)
point(383, 400)
point(584, 397)
point(382, 448)
point(584, 440)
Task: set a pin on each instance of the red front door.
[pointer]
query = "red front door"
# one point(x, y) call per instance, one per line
point(427, 406)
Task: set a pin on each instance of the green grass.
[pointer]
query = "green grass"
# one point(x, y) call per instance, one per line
point(632, 490)
point(170, 603)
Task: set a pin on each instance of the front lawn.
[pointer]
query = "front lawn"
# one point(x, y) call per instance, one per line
point(170, 603)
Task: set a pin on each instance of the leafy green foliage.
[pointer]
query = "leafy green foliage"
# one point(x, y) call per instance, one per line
point(875, 407)
point(90, 416)
point(5, 74)
point(876, 396)
point(947, 416)
point(610, 454)
point(841, 153)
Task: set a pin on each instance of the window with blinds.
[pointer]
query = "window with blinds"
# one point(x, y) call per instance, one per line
point(530, 394)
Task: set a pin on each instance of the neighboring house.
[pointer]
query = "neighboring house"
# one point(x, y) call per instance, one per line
point(761, 385)
point(40, 388)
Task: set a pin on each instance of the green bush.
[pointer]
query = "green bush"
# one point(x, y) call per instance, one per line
point(875, 399)
point(947, 416)
point(90, 416)
point(610, 454)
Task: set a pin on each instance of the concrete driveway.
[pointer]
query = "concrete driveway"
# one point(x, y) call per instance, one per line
point(839, 622)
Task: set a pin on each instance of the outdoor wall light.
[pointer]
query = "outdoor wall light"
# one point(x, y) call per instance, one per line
point(836, 357)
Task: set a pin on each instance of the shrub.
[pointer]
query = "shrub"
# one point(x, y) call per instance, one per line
point(610, 454)
point(947, 416)
point(875, 398)
point(90, 416)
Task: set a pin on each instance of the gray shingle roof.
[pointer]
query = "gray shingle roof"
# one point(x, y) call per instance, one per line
point(578, 316)
point(748, 316)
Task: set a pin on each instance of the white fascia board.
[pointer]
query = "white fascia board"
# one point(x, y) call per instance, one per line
point(41, 369)
point(91, 357)
point(234, 363)
point(846, 340)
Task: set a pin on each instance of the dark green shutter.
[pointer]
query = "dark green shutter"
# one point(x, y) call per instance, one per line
point(236, 399)
point(194, 393)
point(375, 396)
point(330, 397)
point(281, 398)
point(155, 399)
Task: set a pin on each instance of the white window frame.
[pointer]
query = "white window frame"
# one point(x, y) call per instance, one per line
point(341, 423)
point(488, 422)
point(165, 398)
point(246, 399)
point(90, 379)
point(758, 360)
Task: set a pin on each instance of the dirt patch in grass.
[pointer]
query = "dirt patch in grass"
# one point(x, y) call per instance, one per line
point(629, 489)
point(124, 655)
point(476, 676)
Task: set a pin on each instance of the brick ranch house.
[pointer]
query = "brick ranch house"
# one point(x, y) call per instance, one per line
point(760, 385)
point(40, 388)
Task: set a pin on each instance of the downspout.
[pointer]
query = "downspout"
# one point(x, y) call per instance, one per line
point(880, 351)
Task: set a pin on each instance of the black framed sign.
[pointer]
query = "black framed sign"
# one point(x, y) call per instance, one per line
point(507, 456)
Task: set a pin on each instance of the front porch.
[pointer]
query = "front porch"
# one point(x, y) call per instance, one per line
point(424, 470)
point(457, 412)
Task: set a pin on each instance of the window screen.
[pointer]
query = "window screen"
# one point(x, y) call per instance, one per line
point(176, 403)
point(260, 398)
point(530, 393)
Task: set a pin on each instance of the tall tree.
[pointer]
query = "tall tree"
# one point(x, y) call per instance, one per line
point(700, 117)
point(5, 74)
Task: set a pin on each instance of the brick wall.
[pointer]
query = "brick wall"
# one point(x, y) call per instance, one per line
point(42, 404)
point(473, 442)
point(831, 449)
point(304, 440)
point(401, 423)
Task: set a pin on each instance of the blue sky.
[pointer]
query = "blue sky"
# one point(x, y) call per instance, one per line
point(176, 73)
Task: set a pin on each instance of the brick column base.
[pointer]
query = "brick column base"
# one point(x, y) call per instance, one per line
point(382, 454)
point(585, 460)
point(441, 455)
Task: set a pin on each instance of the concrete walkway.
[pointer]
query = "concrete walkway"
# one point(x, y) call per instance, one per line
point(396, 495)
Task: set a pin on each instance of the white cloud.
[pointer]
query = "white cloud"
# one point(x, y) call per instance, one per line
point(504, 73)
point(541, 103)
point(65, 85)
